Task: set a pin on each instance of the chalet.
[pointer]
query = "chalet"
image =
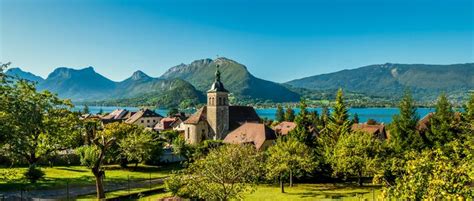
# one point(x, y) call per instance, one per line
point(257, 134)
point(167, 123)
point(118, 115)
point(217, 118)
point(376, 130)
point(144, 117)
point(284, 127)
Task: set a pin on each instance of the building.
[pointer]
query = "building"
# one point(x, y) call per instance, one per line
point(144, 117)
point(118, 115)
point(376, 130)
point(217, 118)
point(257, 134)
point(284, 127)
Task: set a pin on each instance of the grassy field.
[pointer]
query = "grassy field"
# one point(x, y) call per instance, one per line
point(303, 192)
point(58, 177)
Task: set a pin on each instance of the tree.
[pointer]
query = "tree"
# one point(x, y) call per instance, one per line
point(169, 136)
point(442, 128)
point(339, 123)
point(101, 111)
point(355, 119)
point(289, 114)
point(86, 110)
point(442, 173)
point(37, 123)
point(280, 115)
point(137, 146)
point(356, 155)
point(404, 135)
point(224, 174)
point(288, 156)
point(94, 154)
point(467, 123)
point(305, 128)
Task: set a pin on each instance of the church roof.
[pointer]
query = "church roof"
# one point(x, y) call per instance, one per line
point(251, 133)
point(238, 115)
point(198, 116)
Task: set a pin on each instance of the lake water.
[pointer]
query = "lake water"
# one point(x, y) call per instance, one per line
point(379, 114)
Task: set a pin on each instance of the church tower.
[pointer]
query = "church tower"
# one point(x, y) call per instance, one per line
point(218, 108)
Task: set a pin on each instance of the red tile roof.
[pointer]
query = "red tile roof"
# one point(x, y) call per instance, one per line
point(284, 127)
point(377, 130)
point(254, 133)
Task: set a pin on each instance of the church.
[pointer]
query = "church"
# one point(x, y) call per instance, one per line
point(216, 119)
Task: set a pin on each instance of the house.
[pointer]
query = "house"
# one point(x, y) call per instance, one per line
point(284, 127)
point(118, 115)
point(144, 117)
point(377, 130)
point(166, 124)
point(217, 118)
point(178, 125)
point(257, 134)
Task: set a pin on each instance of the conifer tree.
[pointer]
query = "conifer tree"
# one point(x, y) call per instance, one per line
point(339, 122)
point(280, 115)
point(289, 114)
point(404, 134)
point(86, 110)
point(468, 115)
point(355, 119)
point(304, 126)
point(441, 127)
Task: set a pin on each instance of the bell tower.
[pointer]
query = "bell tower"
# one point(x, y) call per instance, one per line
point(218, 108)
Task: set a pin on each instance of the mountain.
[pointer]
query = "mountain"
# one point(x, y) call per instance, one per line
point(17, 72)
point(236, 79)
point(78, 85)
point(390, 80)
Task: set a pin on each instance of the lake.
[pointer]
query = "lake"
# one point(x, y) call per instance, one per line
point(379, 114)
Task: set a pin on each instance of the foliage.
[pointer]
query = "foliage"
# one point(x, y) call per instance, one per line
point(86, 110)
point(34, 174)
point(280, 115)
point(35, 124)
point(444, 173)
point(404, 135)
point(225, 173)
point(172, 111)
point(443, 124)
point(305, 126)
point(356, 155)
point(289, 114)
point(339, 123)
point(169, 135)
point(138, 146)
point(288, 156)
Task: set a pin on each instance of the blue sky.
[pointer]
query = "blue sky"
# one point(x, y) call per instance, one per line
point(276, 40)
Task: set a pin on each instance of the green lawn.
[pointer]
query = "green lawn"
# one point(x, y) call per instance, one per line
point(304, 192)
point(58, 177)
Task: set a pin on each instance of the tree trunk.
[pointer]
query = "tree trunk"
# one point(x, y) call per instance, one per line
point(282, 186)
point(291, 178)
point(360, 178)
point(99, 183)
point(135, 168)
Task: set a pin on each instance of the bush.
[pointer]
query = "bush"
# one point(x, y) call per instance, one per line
point(34, 174)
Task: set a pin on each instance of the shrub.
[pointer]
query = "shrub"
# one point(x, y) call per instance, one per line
point(34, 174)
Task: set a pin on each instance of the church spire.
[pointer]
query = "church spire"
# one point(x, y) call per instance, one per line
point(217, 85)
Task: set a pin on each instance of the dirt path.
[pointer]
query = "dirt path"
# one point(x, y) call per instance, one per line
point(55, 194)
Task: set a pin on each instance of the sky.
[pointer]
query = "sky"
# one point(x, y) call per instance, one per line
point(277, 40)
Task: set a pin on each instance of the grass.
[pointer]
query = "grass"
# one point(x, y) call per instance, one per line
point(303, 192)
point(116, 194)
point(58, 177)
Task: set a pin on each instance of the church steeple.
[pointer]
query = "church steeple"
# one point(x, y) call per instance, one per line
point(217, 86)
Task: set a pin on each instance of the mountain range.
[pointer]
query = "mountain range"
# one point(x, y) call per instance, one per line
point(185, 85)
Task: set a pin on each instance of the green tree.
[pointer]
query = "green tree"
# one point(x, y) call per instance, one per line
point(442, 128)
point(101, 111)
point(94, 154)
point(86, 110)
point(289, 114)
point(339, 123)
point(356, 155)
point(467, 123)
point(442, 173)
point(280, 115)
point(305, 128)
point(355, 119)
point(137, 146)
point(404, 134)
point(37, 123)
point(288, 156)
point(224, 174)
point(172, 111)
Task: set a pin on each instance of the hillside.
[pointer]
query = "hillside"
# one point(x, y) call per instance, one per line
point(17, 72)
point(235, 77)
point(390, 80)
